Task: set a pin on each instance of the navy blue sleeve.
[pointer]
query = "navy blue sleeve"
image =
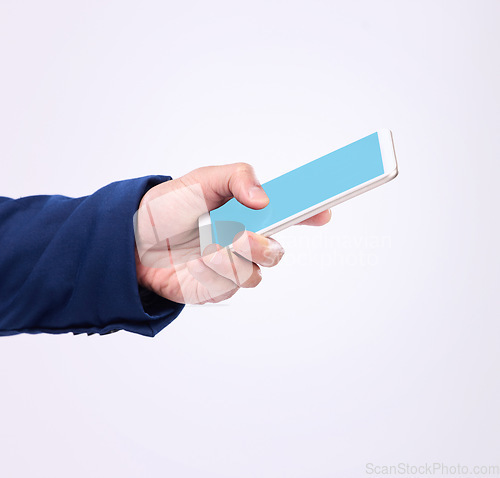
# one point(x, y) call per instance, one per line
point(68, 264)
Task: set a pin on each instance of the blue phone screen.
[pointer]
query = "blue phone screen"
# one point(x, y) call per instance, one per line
point(303, 188)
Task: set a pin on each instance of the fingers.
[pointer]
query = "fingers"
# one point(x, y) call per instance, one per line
point(239, 266)
point(259, 249)
point(242, 272)
point(220, 183)
point(318, 220)
point(214, 285)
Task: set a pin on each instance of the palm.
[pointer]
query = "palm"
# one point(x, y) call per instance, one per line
point(170, 243)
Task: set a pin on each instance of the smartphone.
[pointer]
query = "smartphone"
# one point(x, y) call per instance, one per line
point(307, 190)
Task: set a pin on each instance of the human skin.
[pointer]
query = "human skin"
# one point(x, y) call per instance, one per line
point(174, 268)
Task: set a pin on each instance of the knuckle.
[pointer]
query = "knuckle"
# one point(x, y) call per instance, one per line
point(243, 273)
point(244, 168)
point(224, 296)
point(231, 293)
point(254, 280)
point(242, 244)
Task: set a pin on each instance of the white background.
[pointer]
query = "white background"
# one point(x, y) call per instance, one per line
point(377, 340)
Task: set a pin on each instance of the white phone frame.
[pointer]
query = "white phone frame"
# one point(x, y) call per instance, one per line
point(390, 172)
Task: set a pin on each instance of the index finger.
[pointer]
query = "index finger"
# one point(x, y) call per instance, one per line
point(262, 250)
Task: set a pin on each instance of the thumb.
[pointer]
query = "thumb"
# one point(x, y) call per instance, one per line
point(221, 183)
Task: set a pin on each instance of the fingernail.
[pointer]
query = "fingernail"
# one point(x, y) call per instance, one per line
point(256, 192)
point(274, 254)
point(278, 249)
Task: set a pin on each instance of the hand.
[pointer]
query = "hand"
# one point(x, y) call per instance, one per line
point(168, 255)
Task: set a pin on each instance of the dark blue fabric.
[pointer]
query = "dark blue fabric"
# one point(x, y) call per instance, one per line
point(68, 264)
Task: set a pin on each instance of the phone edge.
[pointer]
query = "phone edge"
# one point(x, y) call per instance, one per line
point(388, 154)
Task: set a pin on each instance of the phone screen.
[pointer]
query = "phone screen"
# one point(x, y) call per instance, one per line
point(302, 188)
